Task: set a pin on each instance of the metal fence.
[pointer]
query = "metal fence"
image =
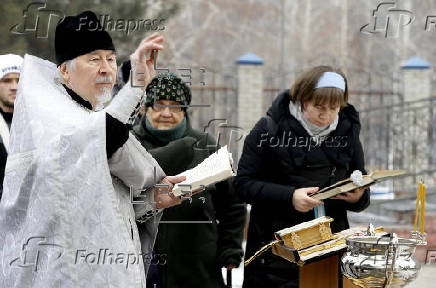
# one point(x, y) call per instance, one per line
point(214, 107)
point(402, 136)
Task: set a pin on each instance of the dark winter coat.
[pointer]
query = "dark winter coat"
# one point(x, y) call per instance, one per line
point(273, 166)
point(3, 158)
point(3, 153)
point(195, 252)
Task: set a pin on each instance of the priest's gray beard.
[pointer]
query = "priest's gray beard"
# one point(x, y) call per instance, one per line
point(105, 96)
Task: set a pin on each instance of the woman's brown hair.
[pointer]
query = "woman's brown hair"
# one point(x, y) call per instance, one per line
point(304, 91)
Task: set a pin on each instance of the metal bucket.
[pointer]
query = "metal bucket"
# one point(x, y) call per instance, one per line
point(373, 261)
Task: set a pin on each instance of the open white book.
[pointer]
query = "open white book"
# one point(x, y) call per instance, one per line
point(215, 168)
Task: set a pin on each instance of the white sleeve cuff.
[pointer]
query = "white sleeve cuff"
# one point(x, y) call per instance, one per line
point(126, 104)
point(148, 210)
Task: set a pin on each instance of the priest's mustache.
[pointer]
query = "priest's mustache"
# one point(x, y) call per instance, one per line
point(104, 79)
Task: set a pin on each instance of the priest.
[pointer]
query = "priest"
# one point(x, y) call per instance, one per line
point(76, 179)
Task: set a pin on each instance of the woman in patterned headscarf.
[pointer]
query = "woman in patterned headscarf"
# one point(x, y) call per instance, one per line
point(188, 254)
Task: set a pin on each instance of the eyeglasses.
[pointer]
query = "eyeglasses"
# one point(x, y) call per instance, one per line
point(172, 108)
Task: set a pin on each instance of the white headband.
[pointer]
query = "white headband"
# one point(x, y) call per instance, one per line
point(331, 79)
point(10, 63)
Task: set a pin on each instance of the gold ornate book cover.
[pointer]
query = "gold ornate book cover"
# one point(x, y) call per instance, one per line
point(306, 234)
point(312, 253)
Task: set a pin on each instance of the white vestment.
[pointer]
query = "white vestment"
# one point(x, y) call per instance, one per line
point(66, 215)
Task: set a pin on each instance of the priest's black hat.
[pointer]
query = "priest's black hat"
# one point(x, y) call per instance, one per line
point(79, 35)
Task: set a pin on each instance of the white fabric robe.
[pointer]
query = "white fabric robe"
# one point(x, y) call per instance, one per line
point(66, 218)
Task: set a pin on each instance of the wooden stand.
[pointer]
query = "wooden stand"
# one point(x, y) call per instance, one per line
point(325, 273)
point(321, 274)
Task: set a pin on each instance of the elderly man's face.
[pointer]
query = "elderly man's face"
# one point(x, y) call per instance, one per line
point(92, 76)
point(165, 114)
point(8, 90)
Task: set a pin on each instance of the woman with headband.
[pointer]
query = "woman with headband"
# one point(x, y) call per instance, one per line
point(308, 140)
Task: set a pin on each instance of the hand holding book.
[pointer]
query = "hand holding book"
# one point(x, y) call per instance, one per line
point(302, 201)
point(352, 196)
point(216, 168)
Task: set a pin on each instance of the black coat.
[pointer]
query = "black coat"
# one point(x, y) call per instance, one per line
point(3, 153)
point(195, 253)
point(273, 166)
point(3, 158)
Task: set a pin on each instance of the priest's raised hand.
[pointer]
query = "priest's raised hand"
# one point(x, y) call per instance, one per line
point(143, 60)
